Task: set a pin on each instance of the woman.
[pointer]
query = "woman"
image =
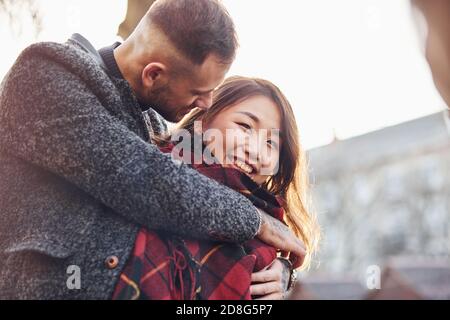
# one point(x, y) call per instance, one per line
point(249, 143)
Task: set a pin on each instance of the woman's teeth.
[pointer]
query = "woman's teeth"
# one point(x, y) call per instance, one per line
point(244, 167)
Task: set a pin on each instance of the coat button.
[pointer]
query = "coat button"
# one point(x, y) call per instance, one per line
point(112, 262)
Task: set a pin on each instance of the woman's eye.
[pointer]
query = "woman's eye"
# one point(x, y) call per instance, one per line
point(272, 143)
point(244, 125)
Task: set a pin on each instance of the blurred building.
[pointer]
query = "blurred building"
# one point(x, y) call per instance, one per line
point(403, 278)
point(329, 287)
point(414, 278)
point(381, 195)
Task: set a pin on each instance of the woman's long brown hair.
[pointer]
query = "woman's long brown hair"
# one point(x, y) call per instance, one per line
point(291, 182)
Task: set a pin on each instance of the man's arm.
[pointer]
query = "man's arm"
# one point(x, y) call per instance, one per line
point(52, 120)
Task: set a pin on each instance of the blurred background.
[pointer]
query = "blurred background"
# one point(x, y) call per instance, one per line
point(369, 115)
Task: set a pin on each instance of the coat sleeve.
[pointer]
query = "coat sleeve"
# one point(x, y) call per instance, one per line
point(51, 119)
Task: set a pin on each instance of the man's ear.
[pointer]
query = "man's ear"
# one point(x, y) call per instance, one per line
point(152, 73)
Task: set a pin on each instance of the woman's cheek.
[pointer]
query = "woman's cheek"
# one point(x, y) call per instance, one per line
point(236, 142)
point(215, 145)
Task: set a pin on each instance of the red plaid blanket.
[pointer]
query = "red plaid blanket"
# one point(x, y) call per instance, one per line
point(166, 267)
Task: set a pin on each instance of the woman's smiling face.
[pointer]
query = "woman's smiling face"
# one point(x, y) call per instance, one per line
point(246, 136)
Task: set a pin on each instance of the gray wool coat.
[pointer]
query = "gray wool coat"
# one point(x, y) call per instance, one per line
point(78, 178)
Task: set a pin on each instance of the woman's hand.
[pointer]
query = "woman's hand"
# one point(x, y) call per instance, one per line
point(271, 283)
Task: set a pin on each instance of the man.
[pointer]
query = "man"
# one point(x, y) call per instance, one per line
point(434, 22)
point(79, 176)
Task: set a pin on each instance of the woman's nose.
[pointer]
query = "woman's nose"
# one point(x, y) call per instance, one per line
point(253, 149)
point(258, 150)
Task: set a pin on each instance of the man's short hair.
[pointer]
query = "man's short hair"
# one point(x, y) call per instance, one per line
point(196, 28)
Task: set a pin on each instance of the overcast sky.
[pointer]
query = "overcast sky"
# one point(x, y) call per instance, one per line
point(347, 67)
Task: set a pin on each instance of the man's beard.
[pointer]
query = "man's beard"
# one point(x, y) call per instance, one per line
point(159, 101)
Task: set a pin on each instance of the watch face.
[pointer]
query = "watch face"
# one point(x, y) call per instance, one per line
point(294, 275)
point(293, 279)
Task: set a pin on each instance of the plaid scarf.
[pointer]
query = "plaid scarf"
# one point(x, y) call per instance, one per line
point(165, 267)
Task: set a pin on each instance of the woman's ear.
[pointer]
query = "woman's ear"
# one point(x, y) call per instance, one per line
point(153, 73)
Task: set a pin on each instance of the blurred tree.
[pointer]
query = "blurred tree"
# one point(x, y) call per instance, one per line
point(135, 11)
point(17, 12)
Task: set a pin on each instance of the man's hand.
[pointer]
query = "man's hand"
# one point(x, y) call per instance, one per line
point(271, 283)
point(278, 235)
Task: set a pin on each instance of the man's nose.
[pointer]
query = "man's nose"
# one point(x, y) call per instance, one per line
point(204, 102)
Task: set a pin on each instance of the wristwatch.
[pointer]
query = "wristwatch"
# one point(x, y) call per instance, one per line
point(292, 279)
point(293, 275)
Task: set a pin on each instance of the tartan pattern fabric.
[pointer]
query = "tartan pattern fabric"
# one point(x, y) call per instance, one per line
point(165, 267)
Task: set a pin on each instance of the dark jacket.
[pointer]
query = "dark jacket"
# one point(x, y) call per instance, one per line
point(79, 178)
